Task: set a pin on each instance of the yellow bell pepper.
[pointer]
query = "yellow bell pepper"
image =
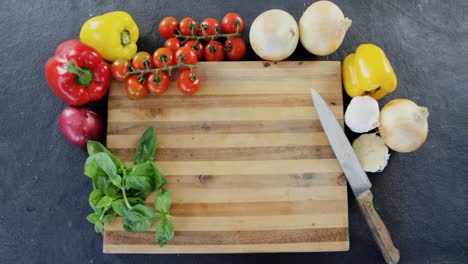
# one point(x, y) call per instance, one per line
point(368, 72)
point(113, 35)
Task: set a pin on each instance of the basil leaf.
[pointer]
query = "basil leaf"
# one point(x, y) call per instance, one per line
point(153, 177)
point(135, 200)
point(146, 147)
point(96, 147)
point(142, 183)
point(105, 201)
point(109, 216)
point(162, 202)
point(139, 218)
point(101, 162)
point(93, 218)
point(164, 231)
point(98, 227)
point(158, 178)
point(94, 198)
point(103, 183)
point(119, 207)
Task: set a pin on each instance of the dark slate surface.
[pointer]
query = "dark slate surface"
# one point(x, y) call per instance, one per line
point(422, 196)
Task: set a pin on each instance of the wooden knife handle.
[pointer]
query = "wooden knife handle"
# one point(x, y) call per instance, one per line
point(378, 228)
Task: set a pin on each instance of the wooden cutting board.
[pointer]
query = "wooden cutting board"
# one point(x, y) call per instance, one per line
point(247, 163)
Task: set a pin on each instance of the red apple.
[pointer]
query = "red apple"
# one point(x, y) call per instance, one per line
point(80, 124)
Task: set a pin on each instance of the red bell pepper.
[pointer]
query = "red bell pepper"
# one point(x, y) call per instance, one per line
point(77, 73)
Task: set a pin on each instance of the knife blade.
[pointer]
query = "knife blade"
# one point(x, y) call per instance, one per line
point(356, 176)
point(344, 153)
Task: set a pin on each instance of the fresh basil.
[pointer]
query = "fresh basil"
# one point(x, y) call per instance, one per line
point(164, 231)
point(94, 147)
point(93, 218)
point(145, 177)
point(139, 218)
point(94, 198)
point(162, 202)
point(104, 184)
point(146, 147)
point(119, 189)
point(105, 201)
point(119, 207)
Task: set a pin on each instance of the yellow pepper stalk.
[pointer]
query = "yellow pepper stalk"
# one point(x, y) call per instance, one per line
point(113, 35)
point(368, 72)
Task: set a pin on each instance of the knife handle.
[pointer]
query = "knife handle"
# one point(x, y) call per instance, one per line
point(378, 228)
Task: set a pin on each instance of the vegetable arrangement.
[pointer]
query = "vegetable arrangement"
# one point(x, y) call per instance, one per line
point(120, 189)
point(78, 74)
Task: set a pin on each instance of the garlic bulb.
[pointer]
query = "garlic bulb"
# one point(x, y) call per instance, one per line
point(362, 114)
point(403, 125)
point(322, 28)
point(274, 35)
point(371, 152)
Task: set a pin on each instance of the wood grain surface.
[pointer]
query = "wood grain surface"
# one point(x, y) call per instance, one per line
point(247, 163)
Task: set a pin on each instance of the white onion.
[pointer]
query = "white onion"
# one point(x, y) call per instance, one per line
point(274, 35)
point(371, 152)
point(362, 114)
point(322, 28)
point(403, 125)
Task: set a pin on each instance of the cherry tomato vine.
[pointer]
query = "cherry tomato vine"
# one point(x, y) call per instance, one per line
point(187, 42)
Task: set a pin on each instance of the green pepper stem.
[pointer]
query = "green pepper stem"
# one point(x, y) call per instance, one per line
point(125, 38)
point(165, 68)
point(83, 76)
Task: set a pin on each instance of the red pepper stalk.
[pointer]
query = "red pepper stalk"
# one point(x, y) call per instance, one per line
point(77, 73)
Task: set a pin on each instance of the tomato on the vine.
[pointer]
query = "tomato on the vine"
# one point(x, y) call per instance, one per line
point(134, 88)
point(167, 27)
point(119, 69)
point(172, 44)
point(232, 23)
point(214, 51)
point(157, 84)
point(188, 82)
point(186, 55)
point(188, 26)
point(209, 26)
point(163, 57)
point(235, 48)
point(197, 48)
point(142, 60)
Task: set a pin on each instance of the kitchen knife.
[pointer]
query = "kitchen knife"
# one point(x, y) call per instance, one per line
point(356, 177)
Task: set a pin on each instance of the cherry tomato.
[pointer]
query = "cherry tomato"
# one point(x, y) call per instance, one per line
point(232, 23)
point(142, 59)
point(119, 69)
point(209, 26)
point(157, 84)
point(197, 48)
point(235, 48)
point(167, 27)
point(186, 55)
point(188, 82)
point(134, 88)
point(214, 51)
point(172, 44)
point(188, 27)
point(163, 54)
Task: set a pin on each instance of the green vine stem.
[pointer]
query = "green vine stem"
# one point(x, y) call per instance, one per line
point(165, 68)
point(211, 37)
